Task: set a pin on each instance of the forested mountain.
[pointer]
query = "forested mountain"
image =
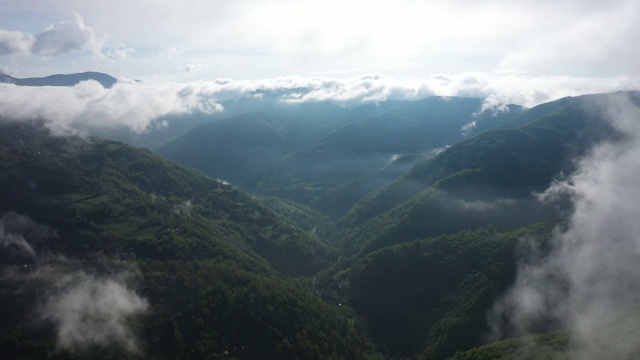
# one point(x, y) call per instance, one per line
point(364, 147)
point(488, 179)
point(201, 253)
point(424, 245)
point(233, 147)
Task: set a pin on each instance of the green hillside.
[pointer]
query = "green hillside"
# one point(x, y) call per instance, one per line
point(204, 252)
point(430, 298)
point(364, 147)
point(425, 241)
point(487, 179)
point(255, 133)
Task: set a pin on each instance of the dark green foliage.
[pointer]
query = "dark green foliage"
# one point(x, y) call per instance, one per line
point(213, 308)
point(415, 264)
point(487, 179)
point(208, 255)
point(549, 346)
point(337, 202)
point(431, 297)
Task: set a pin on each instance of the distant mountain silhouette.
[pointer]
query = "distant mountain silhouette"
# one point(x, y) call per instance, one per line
point(61, 79)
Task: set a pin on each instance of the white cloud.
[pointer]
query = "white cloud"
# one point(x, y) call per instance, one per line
point(71, 34)
point(67, 36)
point(255, 39)
point(15, 43)
point(591, 273)
point(117, 52)
point(468, 127)
point(90, 311)
point(195, 68)
point(88, 105)
point(600, 41)
point(138, 106)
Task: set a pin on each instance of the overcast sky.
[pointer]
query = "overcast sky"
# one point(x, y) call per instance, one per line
point(248, 39)
point(517, 51)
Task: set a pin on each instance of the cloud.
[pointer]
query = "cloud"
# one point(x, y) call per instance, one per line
point(115, 53)
point(19, 238)
point(69, 35)
point(468, 127)
point(591, 274)
point(90, 311)
point(140, 106)
point(15, 43)
point(580, 46)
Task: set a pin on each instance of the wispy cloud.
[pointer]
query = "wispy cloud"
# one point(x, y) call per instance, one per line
point(19, 238)
point(138, 106)
point(591, 273)
point(194, 68)
point(88, 310)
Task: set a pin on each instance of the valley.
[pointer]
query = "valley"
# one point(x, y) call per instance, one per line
point(310, 231)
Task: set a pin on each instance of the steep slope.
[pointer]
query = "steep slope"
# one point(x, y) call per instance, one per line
point(486, 179)
point(431, 296)
point(366, 146)
point(563, 344)
point(231, 148)
point(337, 202)
point(193, 248)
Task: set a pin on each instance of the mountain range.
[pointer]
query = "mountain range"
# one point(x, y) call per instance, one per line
point(305, 230)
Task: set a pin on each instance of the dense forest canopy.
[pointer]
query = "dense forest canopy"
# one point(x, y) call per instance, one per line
point(325, 232)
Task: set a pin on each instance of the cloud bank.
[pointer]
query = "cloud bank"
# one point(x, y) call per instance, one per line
point(69, 35)
point(140, 106)
point(591, 274)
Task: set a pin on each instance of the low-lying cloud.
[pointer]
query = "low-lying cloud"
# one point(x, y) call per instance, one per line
point(591, 274)
point(19, 238)
point(87, 310)
point(90, 311)
point(88, 106)
point(140, 106)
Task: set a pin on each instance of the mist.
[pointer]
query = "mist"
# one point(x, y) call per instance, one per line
point(590, 277)
point(90, 311)
point(87, 308)
point(140, 107)
point(19, 237)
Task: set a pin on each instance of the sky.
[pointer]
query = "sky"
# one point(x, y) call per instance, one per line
point(248, 39)
point(348, 51)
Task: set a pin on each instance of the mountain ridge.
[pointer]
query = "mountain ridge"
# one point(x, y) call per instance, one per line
point(107, 81)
